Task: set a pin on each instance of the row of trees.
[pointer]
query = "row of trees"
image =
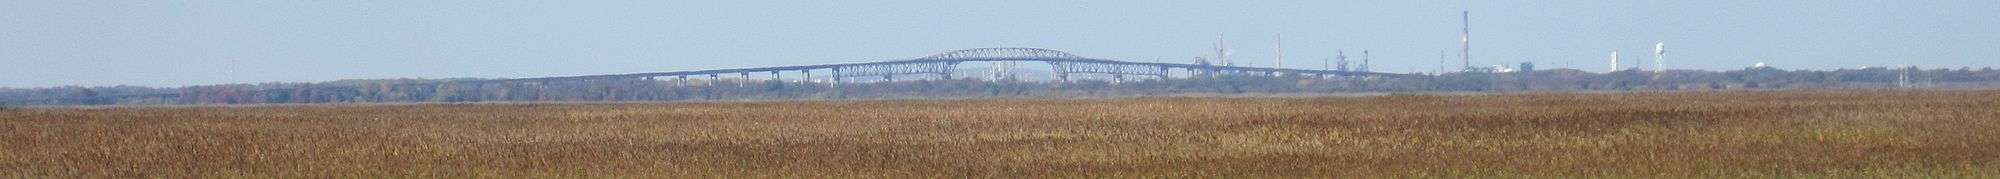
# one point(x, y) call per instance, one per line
point(1747, 78)
point(461, 90)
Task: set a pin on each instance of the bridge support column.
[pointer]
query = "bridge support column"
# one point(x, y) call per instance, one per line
point(1061, 70)
point(712, 78)
point(808, 76)
point(684, 80)
point(740, 82)
point(947, 69)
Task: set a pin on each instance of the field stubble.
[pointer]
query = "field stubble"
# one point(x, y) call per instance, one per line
point(1734, 134)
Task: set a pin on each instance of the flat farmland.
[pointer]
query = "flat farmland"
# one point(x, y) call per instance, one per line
point(1947, 134)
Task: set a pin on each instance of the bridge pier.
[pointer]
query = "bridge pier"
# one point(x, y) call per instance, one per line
point(740, 81)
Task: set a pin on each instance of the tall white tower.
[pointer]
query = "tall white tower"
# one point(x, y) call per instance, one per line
point(1003, 70)
point(1614, 61)
point(1278, 44)
point(1465, 40)
point(1660, 57)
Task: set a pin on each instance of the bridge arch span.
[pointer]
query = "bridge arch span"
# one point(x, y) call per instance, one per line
point(983, 54)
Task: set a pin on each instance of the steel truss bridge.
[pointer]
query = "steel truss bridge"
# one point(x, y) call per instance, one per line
point(942, 65)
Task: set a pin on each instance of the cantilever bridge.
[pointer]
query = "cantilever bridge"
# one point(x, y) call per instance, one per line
point(941, 65)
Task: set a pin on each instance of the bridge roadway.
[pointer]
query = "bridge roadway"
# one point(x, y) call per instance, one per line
point(1062, 63)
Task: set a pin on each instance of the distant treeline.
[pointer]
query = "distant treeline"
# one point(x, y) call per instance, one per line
point(478, 90)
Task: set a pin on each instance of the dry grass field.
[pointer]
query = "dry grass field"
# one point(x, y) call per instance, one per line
point(1947, 134)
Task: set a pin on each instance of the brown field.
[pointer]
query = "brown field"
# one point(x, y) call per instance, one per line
point(1948, 134)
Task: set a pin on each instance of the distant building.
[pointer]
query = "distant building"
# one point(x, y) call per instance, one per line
point(1527, 67)
point(1487, 69)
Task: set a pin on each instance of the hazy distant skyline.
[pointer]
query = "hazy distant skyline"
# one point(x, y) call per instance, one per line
point(177, 43)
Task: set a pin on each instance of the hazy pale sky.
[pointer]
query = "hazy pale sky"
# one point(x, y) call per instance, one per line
point(176, 43)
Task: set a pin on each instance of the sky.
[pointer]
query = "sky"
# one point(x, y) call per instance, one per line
point(178, 43)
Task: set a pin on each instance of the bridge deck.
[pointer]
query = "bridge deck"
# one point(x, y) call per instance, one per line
point(951, 61)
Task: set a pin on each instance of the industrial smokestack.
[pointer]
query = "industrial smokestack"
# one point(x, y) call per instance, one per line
point(1278, 44)
point(1364, 61)
point(1465, 40)
point(1341, 57)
